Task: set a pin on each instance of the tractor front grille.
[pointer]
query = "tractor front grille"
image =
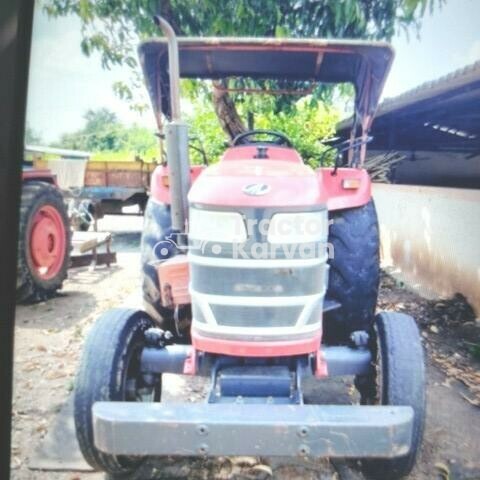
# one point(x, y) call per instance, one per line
point(255, 281)
point(256, 298)
point(251, 316)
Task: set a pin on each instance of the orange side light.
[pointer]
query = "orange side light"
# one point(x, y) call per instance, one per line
point(351, 183)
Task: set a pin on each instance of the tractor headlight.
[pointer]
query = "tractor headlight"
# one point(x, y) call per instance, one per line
point(303, 227)
point(216, 226)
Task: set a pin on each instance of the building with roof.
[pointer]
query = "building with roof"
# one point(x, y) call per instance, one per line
point(429, 215)
point(436, 127)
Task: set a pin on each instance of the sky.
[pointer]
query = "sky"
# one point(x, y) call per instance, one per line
point(64, 83)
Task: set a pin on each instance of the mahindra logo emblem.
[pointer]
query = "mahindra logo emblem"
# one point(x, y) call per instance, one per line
point(256, 189)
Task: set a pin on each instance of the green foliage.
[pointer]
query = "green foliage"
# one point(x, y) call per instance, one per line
point(150, 155)
point(306, 124)
point(207, 139)
point(71, 140)
point(113, 28)
point(475, 350)
point(32, 137)
point(103, 132)
point(141, 141)
point(103, 135)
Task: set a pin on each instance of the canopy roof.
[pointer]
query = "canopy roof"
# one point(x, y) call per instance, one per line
point(364, 64)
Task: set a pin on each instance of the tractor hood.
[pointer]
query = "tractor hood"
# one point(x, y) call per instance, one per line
point(364, 64)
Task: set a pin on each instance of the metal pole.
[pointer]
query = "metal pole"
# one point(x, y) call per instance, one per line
point(176, 139)
point(176, 136)
point(174, 70)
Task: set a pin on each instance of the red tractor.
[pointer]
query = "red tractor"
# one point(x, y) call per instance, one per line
point(43, 238)
point(259, 273)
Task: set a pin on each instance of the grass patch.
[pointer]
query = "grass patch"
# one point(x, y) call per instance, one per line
point(124, 156)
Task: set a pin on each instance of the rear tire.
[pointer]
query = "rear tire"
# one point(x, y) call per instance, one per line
point(354, 272)
point(109, 371)
point(157, 226)
point(398, 378)
point(157, 229)
point(39, 201)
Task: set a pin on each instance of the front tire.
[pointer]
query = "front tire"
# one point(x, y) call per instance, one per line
point(110, 371)
point(398, 378)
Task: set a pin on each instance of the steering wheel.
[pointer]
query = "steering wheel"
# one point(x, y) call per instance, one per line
point(279, 138)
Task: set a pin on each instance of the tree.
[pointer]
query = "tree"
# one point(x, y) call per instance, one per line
point(139, 140)
point(304, 125)
point(114, 27)
point(32, 137)
point(71, 141)
point(103, 132)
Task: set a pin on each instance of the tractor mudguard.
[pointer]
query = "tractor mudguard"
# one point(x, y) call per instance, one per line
point(345, 187)
point(39, 175)
point(159, 187)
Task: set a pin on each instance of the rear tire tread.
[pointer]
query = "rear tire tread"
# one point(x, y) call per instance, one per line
point(32, 289)
point(156, 228)
point(354, 272)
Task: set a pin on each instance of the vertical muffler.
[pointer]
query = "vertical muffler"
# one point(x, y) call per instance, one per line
point(176, 137)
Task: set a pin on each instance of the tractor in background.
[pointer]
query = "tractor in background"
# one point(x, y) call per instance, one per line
point(43, 237)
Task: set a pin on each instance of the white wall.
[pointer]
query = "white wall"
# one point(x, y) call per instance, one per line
point(430, 237)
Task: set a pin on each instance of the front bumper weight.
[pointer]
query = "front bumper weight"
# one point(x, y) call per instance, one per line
point(123, 428)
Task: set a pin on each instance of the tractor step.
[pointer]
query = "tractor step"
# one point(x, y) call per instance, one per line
point(124, 428)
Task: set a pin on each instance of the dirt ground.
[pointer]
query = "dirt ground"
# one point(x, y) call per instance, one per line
point(48, 342)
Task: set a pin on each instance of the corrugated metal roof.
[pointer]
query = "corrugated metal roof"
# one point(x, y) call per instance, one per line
point(425, 91)
point(437, 125)
point(458, 78)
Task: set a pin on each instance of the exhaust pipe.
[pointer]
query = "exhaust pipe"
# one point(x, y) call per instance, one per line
point(176, 136)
